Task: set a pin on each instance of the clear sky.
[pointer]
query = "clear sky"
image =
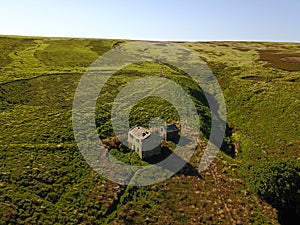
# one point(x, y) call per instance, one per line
point(190, 20)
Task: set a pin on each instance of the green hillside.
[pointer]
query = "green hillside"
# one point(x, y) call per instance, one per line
point(45, 180)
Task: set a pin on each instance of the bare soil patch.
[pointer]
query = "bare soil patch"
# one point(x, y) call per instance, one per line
point(281, 60)
point(291, 59)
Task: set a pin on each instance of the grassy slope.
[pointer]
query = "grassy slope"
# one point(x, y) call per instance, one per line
point(261, 90)
point(44, 178)
point(262, 100)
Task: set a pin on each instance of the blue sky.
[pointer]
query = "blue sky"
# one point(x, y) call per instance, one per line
point(190, 20)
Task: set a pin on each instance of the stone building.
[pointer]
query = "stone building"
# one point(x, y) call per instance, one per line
point(147, 143)
point(169, 132)
point(144, 142)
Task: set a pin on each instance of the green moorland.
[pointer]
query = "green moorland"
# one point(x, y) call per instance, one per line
point(45, 180)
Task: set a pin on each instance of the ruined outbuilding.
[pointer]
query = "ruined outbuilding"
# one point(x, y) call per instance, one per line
point(169, 132)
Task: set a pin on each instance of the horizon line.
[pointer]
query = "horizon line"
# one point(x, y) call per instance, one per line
point(154, 40)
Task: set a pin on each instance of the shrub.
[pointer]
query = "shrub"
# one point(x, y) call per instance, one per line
point(277, 182)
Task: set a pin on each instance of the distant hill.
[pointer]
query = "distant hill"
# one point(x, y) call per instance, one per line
point(44, 178)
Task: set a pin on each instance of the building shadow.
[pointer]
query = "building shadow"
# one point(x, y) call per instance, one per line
point(187, 169)
point(183, 141)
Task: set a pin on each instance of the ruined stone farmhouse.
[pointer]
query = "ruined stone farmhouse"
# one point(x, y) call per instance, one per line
point(147, 142)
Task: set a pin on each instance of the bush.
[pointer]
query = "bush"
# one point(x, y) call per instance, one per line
point(277, 182)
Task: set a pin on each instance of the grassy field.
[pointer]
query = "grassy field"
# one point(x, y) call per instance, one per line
point(44, 178)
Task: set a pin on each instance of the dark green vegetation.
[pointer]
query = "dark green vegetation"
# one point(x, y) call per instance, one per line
point(277, 182)
point(44, 179)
